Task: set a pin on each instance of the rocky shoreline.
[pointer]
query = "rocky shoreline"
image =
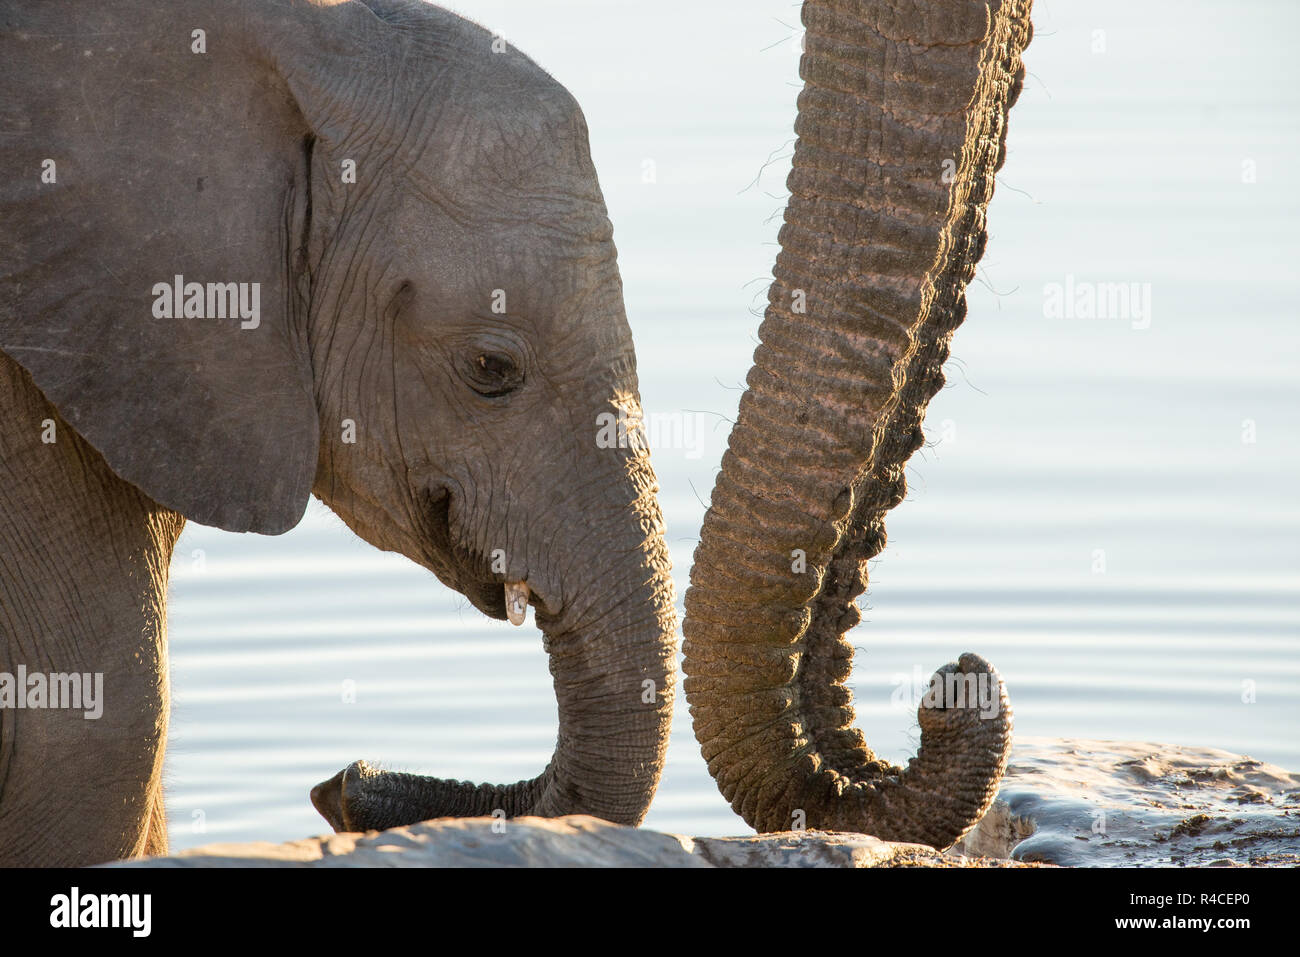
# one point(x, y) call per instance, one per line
point(1067, 802)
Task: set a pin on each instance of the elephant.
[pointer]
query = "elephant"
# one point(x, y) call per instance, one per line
point(901, 128)
point(255, 252)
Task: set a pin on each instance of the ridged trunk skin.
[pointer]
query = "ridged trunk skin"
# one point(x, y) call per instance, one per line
point(879, 241)
point(612, 654)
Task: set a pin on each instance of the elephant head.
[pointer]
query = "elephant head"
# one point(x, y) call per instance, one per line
point(355, 249)
point(901, 126)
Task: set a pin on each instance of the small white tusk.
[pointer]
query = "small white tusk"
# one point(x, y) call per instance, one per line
point(516, 601)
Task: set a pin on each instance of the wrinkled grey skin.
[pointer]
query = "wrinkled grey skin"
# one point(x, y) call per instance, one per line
point(475, 428)
point(877, 248)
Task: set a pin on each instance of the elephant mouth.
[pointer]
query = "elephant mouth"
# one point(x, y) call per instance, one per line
point(466, 570)
point(487, 596)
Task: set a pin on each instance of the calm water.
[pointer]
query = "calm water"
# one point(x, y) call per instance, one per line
point(1092, 515)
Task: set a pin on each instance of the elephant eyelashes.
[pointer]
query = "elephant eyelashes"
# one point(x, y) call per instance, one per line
point(494, 374)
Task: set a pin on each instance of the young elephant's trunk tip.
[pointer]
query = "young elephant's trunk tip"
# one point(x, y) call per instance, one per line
point(327, 798)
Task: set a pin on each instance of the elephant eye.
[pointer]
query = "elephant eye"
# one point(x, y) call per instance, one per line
point(494, 374)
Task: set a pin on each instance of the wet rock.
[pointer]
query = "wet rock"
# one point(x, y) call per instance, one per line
point(1090, 803)
point(574, 841)
point(1070, 802)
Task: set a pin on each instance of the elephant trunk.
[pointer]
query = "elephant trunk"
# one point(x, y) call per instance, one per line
point(612, 653)
point(901, 126)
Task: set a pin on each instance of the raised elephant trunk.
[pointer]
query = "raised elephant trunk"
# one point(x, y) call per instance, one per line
point(612, 653)
point(902, 126)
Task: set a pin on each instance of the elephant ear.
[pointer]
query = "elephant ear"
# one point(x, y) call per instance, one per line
point(132, 155)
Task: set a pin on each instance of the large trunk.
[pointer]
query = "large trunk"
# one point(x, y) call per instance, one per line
point(612, 660)
point(902, 125)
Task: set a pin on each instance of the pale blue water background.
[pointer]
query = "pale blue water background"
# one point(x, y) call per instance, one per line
point(1063, 436)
